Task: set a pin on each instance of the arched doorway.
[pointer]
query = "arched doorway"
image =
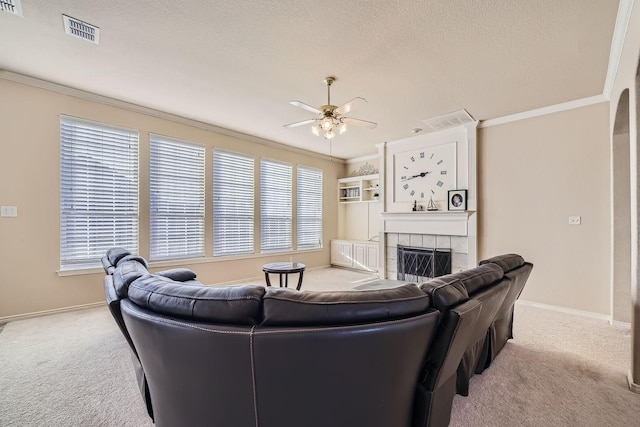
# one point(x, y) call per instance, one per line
point(621, 245)
point(634, 372)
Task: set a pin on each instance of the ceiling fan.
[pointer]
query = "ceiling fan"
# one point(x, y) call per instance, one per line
point(331, 117)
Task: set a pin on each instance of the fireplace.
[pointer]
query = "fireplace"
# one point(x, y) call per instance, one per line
point(420, 264)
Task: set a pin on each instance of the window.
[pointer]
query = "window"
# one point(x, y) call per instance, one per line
point(98, 191)
point(176, 199)
point(309, 209)
point(275, 206)
point(233, 203)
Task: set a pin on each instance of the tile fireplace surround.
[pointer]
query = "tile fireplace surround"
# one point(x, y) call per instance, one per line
point(458, 244)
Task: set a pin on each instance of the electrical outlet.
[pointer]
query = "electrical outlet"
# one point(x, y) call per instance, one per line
point(575, 220)
point(8, 211)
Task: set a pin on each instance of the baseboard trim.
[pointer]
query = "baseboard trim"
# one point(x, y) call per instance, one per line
point(632, 386)
point(7, 319)
point(620, 325)
point(582, 313)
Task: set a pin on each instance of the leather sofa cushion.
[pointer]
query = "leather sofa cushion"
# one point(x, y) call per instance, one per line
point(288, 307)
point(125, 273)
point(179, 275)
point(506, 262)
point(116, 254)
point(221, 304)
point(445, 292)
point(106, 264)
point(478, 278)
point(136, 258)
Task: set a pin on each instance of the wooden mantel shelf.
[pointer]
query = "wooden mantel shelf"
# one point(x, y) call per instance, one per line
point(424, 222)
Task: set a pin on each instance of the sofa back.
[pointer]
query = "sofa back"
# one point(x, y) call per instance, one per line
point(488, 286)
point(313, 358)
point(437, 388)
point(517, 271)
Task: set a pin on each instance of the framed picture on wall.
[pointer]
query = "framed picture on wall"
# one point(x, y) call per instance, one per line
point(457, 200)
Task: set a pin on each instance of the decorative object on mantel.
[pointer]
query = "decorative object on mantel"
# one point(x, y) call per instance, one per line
point(431, 206)
point(457, 200)
point(366, 169)
point(330, 117)
point(417, 207)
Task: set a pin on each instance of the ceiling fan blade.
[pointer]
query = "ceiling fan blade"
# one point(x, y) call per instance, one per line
point(305, 106)
point(302, 123)
point(345, 108)
point(358, 122)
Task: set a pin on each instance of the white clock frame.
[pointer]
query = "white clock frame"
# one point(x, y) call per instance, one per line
point(424, 174)
point(464, 140)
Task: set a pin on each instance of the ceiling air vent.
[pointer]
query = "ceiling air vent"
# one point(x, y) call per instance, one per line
point(81, 29)
point(11, 6)
point(449, 120)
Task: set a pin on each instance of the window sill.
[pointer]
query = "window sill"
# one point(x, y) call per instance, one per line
point(81, 271)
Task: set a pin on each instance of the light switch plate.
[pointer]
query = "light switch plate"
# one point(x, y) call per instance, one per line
point(575, 220)
point(8, 211)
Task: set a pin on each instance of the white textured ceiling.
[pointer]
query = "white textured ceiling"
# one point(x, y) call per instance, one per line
point(237, 63)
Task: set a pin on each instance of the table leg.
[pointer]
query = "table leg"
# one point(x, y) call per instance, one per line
point(299, 281)
point(266, 278)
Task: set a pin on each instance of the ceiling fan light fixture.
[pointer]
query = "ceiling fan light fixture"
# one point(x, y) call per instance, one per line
point(330, 120)
point(327, 123)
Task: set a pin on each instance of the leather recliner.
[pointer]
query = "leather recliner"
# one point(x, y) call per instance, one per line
point(501, 329)
point(381, 357)
point(245, 356)
point(122, 268)
point(437, 386)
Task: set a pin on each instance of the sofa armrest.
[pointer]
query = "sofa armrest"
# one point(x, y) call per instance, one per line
point(178, 274)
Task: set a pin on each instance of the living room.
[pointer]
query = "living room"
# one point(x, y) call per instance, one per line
point(546, 145)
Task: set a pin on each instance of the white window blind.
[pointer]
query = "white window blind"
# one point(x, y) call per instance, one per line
point(98, 191)
point(233, 203)
point(275, 206)
point(309, 208)
point(176, 193)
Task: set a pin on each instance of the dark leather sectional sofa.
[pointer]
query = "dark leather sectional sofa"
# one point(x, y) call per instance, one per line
point(276, 357)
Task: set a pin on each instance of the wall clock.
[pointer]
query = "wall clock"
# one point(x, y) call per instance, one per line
point(424, 173)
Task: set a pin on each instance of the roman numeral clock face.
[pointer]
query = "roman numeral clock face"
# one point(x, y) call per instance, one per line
point(425, 173)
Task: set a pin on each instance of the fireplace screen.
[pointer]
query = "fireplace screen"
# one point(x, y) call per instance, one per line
point(420, 264)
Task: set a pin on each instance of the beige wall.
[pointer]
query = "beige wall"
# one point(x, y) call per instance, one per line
point(533, 174)
point(29, 179)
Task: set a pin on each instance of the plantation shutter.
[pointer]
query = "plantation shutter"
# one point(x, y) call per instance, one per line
point(309, 208)
point(233, 203)
point(176, 199)
point(98, 191)
point(275, 206)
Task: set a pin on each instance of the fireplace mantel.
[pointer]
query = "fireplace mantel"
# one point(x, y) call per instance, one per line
point(442, 223)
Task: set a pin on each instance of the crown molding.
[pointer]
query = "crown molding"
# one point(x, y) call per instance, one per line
point(88, 96)
point(583, 102)
point(617, 43)
point(619, 34)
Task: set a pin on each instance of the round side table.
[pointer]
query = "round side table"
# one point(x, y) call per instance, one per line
point(284, 269)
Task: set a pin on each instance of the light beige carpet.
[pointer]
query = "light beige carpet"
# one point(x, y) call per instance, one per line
point(74, 369)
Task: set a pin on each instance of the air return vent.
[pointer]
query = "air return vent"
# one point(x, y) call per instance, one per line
point(449, 120)
point(81, 29)
point(11, 6)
